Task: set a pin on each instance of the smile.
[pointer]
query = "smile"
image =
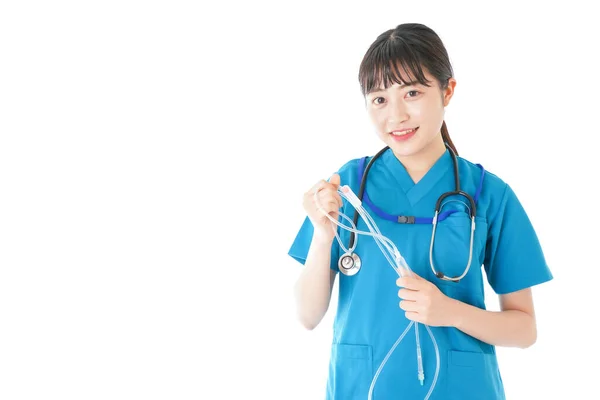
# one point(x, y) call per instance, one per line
point(404, 132)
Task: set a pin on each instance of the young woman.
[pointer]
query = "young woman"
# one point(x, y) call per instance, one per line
point(481, 231)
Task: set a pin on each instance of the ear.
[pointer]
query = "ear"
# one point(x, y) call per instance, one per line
point(449, 91)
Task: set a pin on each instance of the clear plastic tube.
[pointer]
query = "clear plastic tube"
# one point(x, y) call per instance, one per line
point(399, 264)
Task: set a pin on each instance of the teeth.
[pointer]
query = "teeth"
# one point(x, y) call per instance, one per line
point(403, 132)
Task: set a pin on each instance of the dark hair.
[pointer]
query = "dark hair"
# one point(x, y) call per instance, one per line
point(413, 47)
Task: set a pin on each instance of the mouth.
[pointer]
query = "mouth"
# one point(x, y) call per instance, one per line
point(404, 134)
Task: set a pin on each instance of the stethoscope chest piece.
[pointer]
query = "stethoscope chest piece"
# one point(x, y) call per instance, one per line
point(349, 264)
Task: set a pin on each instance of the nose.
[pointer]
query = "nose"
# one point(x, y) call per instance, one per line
point(398, 114)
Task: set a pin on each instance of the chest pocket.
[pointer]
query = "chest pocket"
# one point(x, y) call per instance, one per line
point(452, 249)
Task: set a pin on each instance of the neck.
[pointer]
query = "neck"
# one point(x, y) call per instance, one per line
point(419, 163)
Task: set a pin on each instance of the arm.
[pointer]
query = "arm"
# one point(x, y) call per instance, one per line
point(313, 288)
point(513, 260)
point(512, 247)
point(513, 326)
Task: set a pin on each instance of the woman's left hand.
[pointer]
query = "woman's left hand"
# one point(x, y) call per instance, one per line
point(423, 302)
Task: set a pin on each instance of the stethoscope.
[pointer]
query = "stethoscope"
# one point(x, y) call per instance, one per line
point(350, 263)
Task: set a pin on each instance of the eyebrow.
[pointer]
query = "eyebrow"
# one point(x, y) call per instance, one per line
point(414, 83)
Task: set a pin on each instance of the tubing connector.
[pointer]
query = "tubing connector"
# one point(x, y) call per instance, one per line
point(355, 201)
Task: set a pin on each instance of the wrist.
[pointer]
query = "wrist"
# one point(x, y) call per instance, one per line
point(322, 240)
point(455, 313)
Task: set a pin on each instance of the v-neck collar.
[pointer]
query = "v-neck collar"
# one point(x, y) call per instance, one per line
point(415, 191)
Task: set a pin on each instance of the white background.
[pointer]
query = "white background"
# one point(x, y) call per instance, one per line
point(153, 157)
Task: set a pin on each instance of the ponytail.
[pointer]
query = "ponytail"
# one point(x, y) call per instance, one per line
point(446, 137)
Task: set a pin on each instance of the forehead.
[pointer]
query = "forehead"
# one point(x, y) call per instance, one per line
point(394, 86)
point(398, 75)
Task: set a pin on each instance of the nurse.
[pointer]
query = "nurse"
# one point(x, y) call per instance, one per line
point(407, 81)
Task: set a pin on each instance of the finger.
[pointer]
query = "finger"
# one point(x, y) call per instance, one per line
point(409, 282)
point(335, 180)
point(413, 316)
point(409, 273)
point(329, 190)
point(325, 196)
point(408, 294)
point(322, 184)
point(339, 199)
point(407, 305)
point(328, 204)
point(331, 211)
point(317, 186)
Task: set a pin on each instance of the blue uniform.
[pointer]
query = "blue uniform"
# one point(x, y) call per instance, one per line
point(506, 252)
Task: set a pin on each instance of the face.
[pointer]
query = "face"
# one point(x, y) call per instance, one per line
point(409, 118)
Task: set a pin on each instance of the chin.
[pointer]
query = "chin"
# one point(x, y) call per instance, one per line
point(403, 152)
point(405, 149)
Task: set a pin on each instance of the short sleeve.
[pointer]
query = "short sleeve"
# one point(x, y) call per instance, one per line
point(301, 245)
point(514, 258)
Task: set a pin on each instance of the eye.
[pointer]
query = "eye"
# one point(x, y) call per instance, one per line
point(376, 100)
point(413, 93)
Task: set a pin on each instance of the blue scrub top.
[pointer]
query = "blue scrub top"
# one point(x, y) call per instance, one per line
point(369, 320)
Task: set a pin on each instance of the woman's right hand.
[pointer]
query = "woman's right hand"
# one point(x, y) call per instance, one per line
point(330, 201)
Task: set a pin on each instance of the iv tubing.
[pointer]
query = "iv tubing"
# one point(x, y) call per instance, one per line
point(399, 262)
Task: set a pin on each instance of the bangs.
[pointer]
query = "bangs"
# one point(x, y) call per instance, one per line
point(388, 62)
